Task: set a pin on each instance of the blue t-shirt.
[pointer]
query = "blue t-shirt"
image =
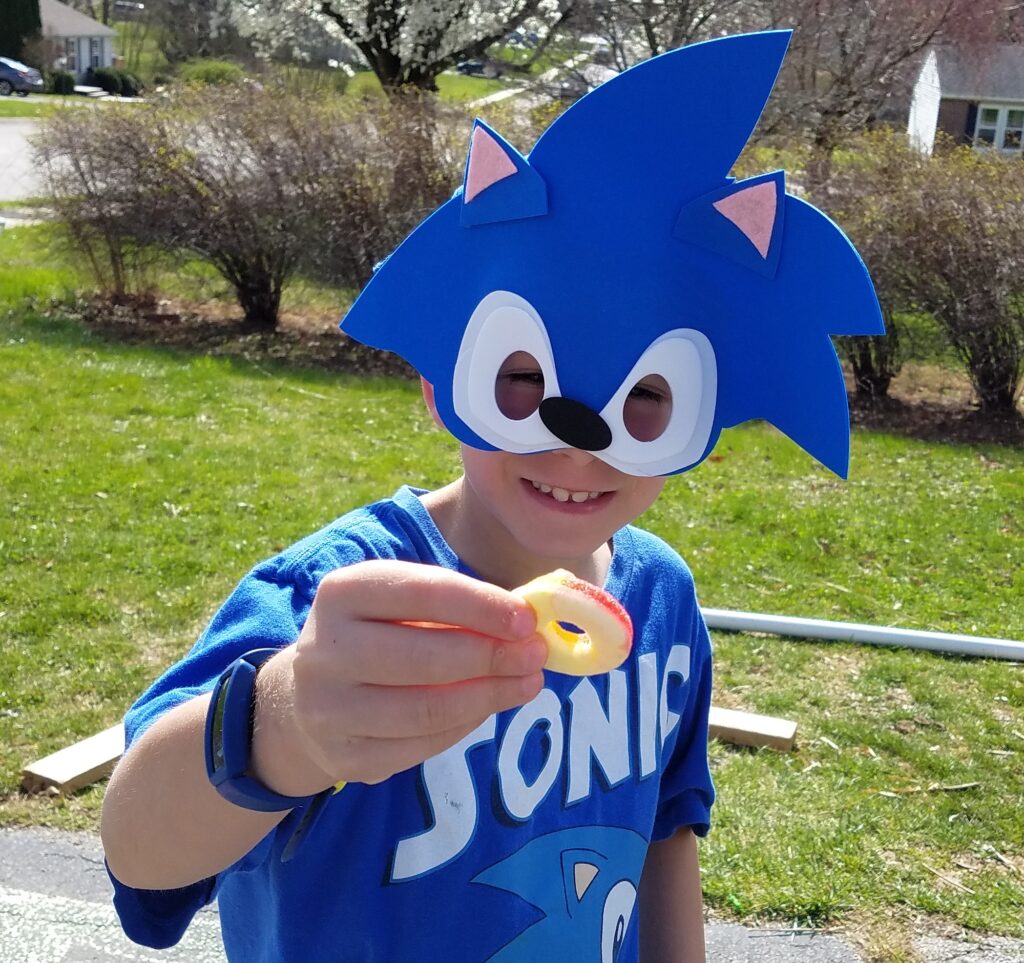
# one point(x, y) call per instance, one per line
point(523, 842)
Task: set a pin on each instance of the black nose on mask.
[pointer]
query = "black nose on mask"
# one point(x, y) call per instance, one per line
point(576, 424)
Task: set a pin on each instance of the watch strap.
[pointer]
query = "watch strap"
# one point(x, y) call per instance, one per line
point(228, 739)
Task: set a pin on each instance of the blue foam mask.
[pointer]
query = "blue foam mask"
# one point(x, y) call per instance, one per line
point(621, 249)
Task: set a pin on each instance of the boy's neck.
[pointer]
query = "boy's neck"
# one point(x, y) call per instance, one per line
point(487, 548)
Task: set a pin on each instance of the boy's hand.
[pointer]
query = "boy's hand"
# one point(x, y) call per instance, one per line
point(396, 662)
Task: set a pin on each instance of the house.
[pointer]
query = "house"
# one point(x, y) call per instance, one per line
point(75, 42)
point(974, 94)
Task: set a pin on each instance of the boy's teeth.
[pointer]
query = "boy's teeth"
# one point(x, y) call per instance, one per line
point(563, 494)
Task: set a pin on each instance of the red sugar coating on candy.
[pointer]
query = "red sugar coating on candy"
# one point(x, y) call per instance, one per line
point(602, 598)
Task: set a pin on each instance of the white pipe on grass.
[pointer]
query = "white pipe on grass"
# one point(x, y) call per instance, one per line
point(857, 632)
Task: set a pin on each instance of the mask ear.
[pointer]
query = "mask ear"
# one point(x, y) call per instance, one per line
point(741, 222)
point(499, 183)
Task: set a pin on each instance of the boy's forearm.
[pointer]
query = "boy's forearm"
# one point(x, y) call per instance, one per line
point(670, 902)
point(163, 824)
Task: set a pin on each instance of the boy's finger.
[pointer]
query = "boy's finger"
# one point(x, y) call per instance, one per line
point(402, 655)
point(387, 591)
point(402, 712)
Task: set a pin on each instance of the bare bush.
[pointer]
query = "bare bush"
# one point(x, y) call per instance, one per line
point(869, 187)
point(258, 183)
point(93, 189)
point(399, 160)
point(944, 235)
point(966, 242)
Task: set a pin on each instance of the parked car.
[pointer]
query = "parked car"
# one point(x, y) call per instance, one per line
point(16, 77)
point(471, 68)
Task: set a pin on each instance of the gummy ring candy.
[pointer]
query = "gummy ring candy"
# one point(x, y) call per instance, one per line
point(560, 599)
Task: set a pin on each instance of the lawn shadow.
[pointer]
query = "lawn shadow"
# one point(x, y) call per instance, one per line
point(298, 342)
point(313, 343)
point(935, 421)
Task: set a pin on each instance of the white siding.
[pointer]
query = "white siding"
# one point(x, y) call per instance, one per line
point(924, 106)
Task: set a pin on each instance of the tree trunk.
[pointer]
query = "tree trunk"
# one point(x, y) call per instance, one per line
point(995, 382)
point(875, 361)
point(260, 298)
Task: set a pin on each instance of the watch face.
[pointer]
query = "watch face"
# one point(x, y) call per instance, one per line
point(217, 729)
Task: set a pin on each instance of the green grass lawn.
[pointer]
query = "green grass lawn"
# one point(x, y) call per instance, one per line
point(451, 86)
point(16, 107)
point(139, 44)
point(141, 484)
point(39, 262)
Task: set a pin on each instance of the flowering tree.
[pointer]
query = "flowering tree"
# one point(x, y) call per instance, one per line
point(406, 43)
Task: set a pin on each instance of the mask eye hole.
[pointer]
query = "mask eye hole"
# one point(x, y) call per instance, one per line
point(648, 408)
point(519, 386)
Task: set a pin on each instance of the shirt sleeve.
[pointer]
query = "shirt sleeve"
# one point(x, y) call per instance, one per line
point(687, 791)
point(266, 610)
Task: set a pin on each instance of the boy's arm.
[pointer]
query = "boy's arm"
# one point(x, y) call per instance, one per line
point(365, 692)
point(671, 906)
point(164, 826)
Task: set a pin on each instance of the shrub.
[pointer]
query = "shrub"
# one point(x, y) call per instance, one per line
point(259, 184)
point(211, 73)
point(105, 78)
point(869, 186)
point(62, 82)
point(942, 235)
point(131, 86)
point(965, 237)
point(384, 168)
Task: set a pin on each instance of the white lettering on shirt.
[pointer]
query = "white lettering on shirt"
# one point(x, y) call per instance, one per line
point(596, 735)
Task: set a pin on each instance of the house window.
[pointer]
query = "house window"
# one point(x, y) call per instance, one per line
point(1001, 127)
point(71, 54)
point(94, 52)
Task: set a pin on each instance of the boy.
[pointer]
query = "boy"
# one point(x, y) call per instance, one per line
point(582, 342)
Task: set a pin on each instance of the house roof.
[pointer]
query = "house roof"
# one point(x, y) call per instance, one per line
point(982, 71)
point(60, 20)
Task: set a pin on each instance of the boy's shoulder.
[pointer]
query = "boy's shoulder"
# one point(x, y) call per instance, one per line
point(385, 529)
point(656, 557)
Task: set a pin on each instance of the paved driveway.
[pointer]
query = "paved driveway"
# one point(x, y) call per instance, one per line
point(55, 908)
point(18, 177)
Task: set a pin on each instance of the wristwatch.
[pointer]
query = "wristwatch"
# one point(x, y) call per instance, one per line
point(228, 741)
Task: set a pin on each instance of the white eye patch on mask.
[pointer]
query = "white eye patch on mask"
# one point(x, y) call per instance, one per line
point(506, 390)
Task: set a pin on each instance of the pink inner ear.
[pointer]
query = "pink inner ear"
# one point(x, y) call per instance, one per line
point(752, 210)
point(488, 163)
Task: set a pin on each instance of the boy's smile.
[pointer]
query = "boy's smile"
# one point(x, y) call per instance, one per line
point(513, 517)
point(564, 496)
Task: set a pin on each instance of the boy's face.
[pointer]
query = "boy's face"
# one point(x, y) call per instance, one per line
point(554, 507)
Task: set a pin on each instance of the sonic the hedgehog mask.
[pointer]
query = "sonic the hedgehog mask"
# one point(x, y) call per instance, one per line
point(618, 264)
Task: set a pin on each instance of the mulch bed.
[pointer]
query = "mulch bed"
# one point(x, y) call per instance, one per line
point(930, 420)
point(915, 409)
point(302, 341)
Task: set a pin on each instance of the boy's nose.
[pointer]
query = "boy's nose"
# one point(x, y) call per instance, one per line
point(575, 423)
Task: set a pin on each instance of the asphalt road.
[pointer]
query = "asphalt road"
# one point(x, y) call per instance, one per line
point(55, 908)
point(18, 175)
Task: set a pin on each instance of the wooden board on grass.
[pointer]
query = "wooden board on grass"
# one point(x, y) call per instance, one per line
point(76, 766)
point(750, 729)
point(94, 758)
